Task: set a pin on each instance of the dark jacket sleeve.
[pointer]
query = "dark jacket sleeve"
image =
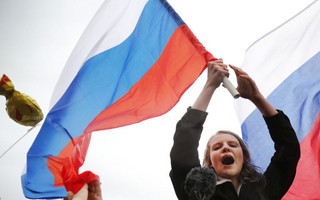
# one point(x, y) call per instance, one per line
point(282, 169)
point(184, 153)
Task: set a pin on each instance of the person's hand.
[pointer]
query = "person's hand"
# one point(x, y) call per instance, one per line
point(81, 195)
point(94, 191)
point(216, 71)
point(246, 85)
point(91, 191)
point(249, 90)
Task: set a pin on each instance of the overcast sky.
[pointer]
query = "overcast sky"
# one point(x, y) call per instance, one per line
point(36, 39)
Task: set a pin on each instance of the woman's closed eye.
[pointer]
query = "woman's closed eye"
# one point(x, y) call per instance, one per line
point(216, 147)
point(233, 144)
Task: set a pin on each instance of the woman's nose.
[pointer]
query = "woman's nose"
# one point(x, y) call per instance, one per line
point(225, 149)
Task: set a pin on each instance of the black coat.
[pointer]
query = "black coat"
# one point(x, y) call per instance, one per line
point(279, 174)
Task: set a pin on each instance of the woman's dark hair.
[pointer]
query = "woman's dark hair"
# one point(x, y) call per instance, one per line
point(249, 172)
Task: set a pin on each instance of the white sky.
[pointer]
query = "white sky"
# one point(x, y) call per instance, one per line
point(36, 39)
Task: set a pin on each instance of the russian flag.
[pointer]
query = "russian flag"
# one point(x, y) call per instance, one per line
point(285, 64)
point(133, 62)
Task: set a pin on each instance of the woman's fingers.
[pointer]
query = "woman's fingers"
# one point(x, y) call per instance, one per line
point(70, 195)
point(237, 69)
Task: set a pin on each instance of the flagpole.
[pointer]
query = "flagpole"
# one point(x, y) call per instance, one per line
point(6, 151)
point(233, 91)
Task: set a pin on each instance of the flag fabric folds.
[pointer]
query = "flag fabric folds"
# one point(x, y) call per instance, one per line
point(285, 64)
point(133, 62)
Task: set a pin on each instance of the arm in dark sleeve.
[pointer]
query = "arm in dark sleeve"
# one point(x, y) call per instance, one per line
point(282, 169)
point(184, 153)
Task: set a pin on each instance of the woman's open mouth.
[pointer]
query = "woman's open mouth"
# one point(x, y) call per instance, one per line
point(227, 160)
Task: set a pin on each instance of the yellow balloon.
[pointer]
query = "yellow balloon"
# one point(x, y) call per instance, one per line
point(20, 107)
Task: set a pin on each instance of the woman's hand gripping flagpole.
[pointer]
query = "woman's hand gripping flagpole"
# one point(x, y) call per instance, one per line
point(225, 81)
